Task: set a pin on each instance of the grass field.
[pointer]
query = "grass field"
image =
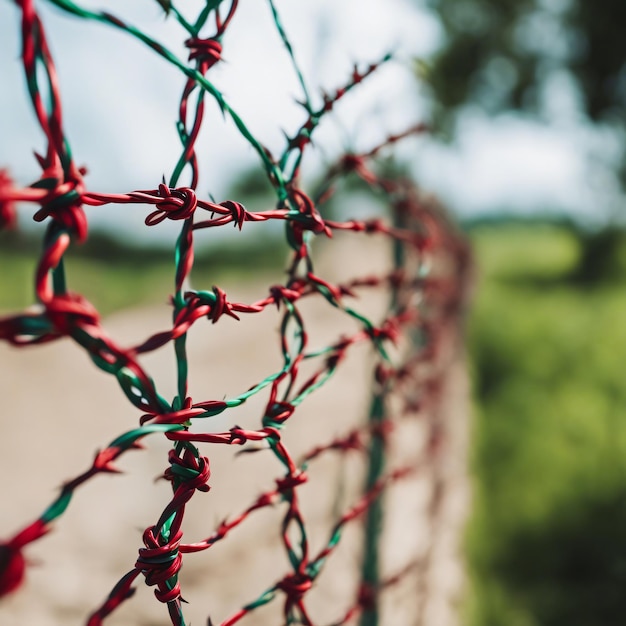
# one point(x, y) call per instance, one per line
point(547, 539)
point(114, 277)
point(110, 288)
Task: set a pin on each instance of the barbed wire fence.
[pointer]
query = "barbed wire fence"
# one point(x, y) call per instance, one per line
point(425, 286)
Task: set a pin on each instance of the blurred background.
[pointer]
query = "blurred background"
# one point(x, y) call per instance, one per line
point(527, 104)
point(546, 544)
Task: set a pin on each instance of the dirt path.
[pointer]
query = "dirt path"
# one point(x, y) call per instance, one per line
point(58, 409)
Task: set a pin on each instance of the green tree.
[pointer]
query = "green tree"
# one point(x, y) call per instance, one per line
point(503, 54)
point(508, 55)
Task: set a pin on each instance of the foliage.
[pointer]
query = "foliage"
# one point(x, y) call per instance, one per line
point(502, 54)
point(603, 257)
point(547, 537)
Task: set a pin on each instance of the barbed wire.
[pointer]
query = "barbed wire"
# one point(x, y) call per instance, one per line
point(431, 262)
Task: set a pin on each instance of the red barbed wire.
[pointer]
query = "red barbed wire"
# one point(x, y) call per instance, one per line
point(418, 228)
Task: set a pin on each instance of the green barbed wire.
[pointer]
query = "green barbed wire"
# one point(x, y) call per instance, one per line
point(61, 195)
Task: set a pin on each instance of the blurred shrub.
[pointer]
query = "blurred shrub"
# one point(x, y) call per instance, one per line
point(548, 535)
point(603, 257)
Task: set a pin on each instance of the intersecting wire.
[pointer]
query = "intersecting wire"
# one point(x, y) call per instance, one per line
point(418, 229)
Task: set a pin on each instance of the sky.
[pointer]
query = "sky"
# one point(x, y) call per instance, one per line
point(120, 105)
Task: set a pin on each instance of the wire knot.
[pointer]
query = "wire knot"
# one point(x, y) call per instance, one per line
point(367, 596)
point(206, 51)
point(389, 331)
point(355, 163)
point(279, 412)
point(221, 306)
point(308, 217)
point(375, 226)
point(177, 204)
point(237, 211)
point(382, 429)
point(193, 472)
point(291, 481)
point(291, 293)
point(160, 564)
point(69, 311)
point(63, 203)
point(295, 586)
